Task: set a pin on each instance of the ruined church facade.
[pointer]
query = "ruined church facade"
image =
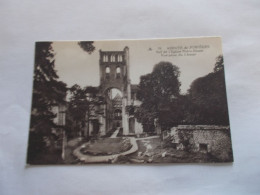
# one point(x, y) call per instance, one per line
point(114, 74)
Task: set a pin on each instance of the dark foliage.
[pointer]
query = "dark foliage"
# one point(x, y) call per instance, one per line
point(47, 92)
point(219, 64)
point(84, 103)
point(207, 97)
point(176, 112)
point(158, 91)
point(87, 46)
point(205, 102)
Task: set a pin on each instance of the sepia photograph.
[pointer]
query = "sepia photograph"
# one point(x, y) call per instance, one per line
point(129, 102)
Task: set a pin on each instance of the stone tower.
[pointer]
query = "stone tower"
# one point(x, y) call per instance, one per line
point(114, 73)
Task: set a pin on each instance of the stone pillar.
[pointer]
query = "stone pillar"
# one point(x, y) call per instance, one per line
point(125, 117)
point(85, 130)
point(90, 128)
point(102, 128)
point(128, 81)
point(157, 126)
point(64, 144)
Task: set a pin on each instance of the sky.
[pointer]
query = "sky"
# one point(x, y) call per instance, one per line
point(195, 58)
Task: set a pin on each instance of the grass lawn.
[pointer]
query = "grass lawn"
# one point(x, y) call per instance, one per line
point(107, 146)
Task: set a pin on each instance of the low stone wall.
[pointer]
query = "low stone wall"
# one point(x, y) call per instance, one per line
point(211, 139)
point(206, 127)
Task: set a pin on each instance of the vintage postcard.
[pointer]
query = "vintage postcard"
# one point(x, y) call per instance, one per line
point(129, 101)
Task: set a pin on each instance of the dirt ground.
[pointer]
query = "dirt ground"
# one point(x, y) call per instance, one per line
point(154, 151)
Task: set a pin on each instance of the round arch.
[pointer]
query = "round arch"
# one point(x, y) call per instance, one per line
point(114, 91)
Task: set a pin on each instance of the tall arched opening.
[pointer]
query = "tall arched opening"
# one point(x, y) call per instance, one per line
point(114, 98)
point(114, 73)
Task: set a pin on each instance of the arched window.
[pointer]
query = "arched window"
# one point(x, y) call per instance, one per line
point(118, 71)
point(105, 58)
point(119, 58)
point(107, 70)
point(112, 58)
point(118, 114)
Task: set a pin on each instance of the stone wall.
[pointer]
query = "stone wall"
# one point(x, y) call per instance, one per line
point(211, 139)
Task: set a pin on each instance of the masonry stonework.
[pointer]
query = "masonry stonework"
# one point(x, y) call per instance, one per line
point(211, 139)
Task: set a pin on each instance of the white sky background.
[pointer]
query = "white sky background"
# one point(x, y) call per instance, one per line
point(75, 66)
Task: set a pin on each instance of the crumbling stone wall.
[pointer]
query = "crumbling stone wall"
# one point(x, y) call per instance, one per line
point(214, 140)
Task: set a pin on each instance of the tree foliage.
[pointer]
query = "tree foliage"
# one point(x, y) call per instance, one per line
point(87, 46)
point(208, 98)
point(205, 102)
point(158, 91)
point(176, 112)
point(47, 92)
point(83, 105)
point(219, 65)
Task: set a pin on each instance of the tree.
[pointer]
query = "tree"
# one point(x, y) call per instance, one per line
point(79, 101)
point(219, 65)
point(47, 91)
point(83, 105)
point(175, 113)
point(87, 46)
point(208, 98)
point(158, 91)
